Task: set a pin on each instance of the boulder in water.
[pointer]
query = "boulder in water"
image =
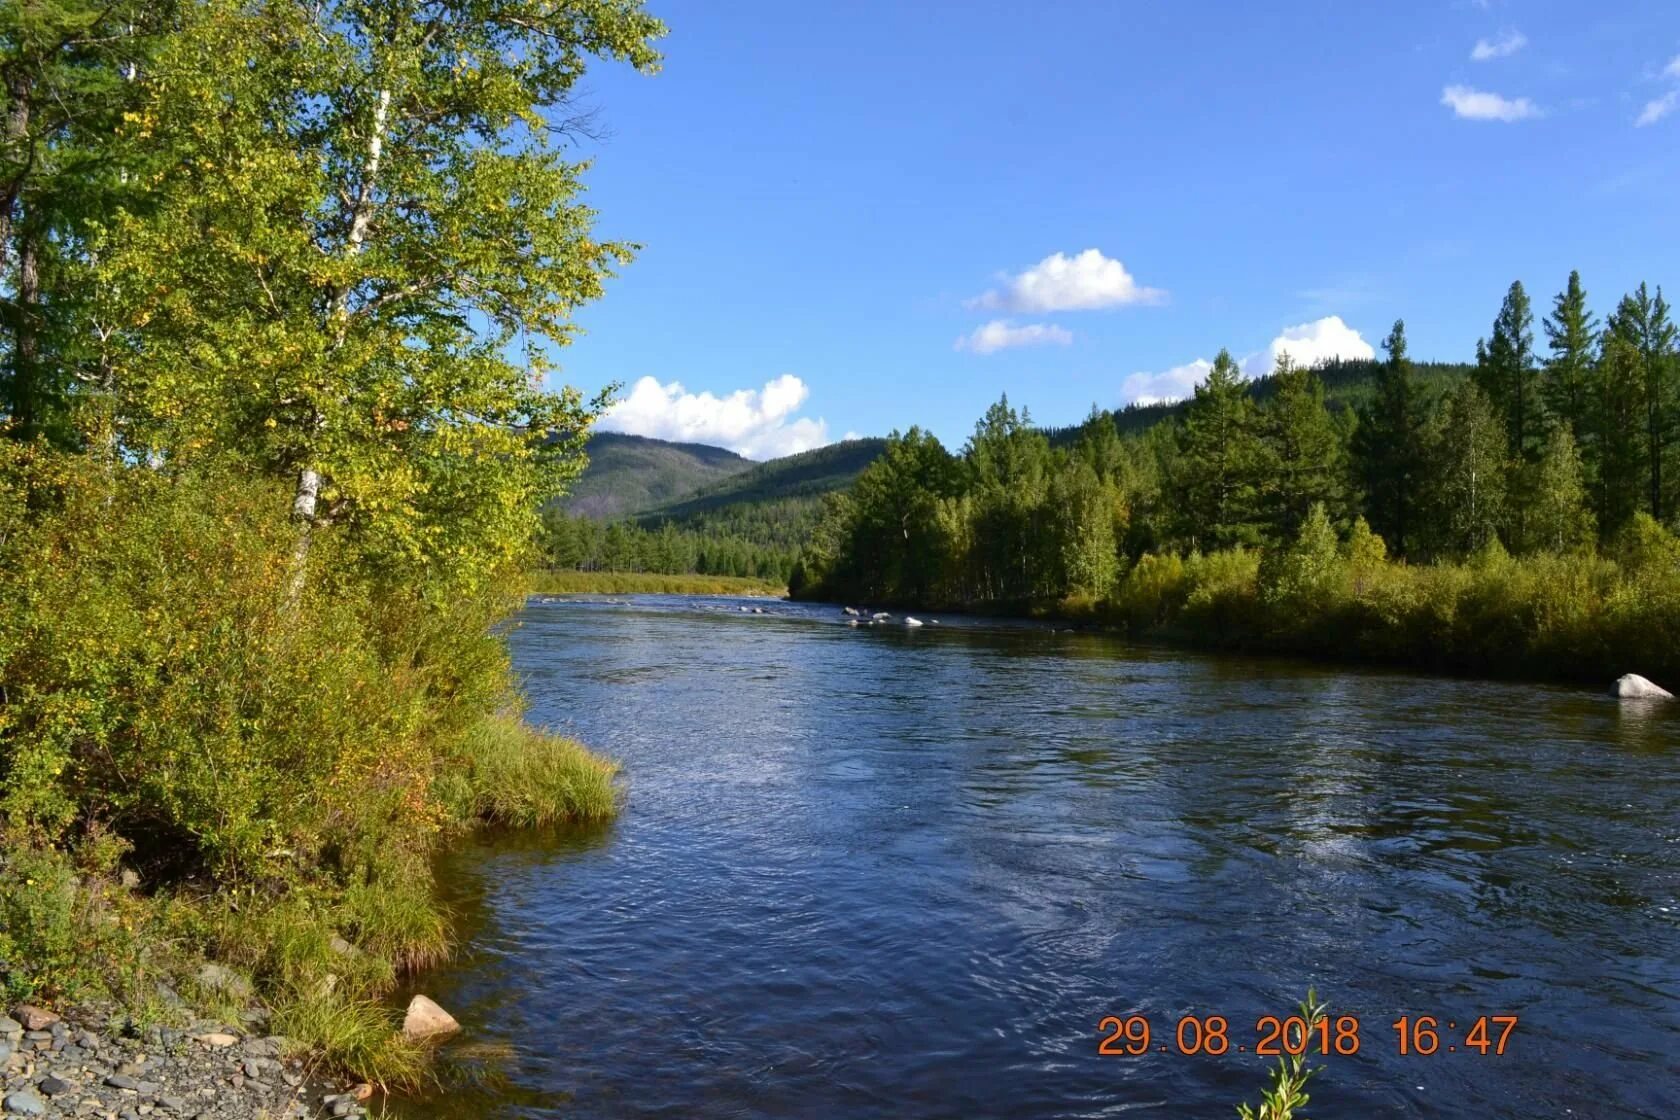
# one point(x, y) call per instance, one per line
point(908, 621)
point(1635, 687)
point(426, 1019)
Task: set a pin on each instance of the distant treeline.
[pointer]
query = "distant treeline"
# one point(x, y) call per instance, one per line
point(581, 544)
point(1567, 455)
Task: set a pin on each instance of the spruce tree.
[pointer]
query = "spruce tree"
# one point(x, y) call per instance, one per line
point(1387, 453)
point(1303, 452)
point(1220, 461)
point(1619, 432)
point(1571, 335)
point(1642, 322)
point(1505, 372)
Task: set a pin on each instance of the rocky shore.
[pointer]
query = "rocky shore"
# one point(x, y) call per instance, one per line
point(91, 1065)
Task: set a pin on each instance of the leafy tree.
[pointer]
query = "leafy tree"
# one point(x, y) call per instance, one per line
point(1572, 337)
point(1303, 460)
point(1008, 465)
point(64, 70)
point(1387, 448)
point(1467, 443)
point(361, 241)
point(1558, 518)
point(1082, 511)
point(1219, 460)
point(1506, 374)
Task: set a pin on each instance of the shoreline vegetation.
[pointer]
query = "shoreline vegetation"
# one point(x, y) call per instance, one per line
point(1515, 522)
point(564, 581)
point(283, 285)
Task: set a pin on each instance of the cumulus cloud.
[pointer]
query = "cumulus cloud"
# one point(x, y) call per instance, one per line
point(1307, 344)
point(1087, 281)
point(757, 423)
point(1001, 334)
point(1476, 105)
point(1170, 385)
point(1655, 111)
point(1508, 44)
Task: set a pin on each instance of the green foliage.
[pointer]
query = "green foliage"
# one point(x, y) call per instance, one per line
point(1466, 486)
point(1287, 1091)
point(1387, 447)
point(1220, 461)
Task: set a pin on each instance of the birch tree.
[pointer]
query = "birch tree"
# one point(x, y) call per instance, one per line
point(361, 247)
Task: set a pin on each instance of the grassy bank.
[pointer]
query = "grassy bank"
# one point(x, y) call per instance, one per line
point(199, 767)
point(564, 582)
point(1578, 617)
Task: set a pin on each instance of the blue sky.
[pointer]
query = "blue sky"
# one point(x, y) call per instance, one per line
point(861, 216)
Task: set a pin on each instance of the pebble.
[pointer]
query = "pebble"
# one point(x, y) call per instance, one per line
point(96, 1065)
point(25, 1103)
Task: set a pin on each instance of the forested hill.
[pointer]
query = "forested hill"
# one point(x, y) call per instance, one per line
point(1347, 385)
point(629, 474)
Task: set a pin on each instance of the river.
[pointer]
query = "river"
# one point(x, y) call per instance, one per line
point(899, 872)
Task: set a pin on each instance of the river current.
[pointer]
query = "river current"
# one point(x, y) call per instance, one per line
point(907, 872)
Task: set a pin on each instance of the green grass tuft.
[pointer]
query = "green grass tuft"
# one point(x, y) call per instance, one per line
point(511, 774)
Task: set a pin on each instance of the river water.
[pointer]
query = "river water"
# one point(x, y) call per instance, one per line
point(899, 872)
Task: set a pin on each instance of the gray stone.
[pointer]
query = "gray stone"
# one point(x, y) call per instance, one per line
point(1635, 687)
point(173, 1104)
point(224, 980)
point(9, 1025)
point(54, 1086)
point(24, 1102)
point(122, 1081)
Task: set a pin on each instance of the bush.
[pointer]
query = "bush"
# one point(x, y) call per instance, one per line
point(277, 771)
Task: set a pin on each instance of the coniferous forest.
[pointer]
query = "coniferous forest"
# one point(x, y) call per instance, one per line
point(1514, 521)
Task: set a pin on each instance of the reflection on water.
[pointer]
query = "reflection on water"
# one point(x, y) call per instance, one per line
point(887, 872)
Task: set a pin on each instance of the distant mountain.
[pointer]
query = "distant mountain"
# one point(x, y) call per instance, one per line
point(629, 474)
point(772, 504)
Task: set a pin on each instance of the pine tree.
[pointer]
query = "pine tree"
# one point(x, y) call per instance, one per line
point(1642, 322)
point(1303, 452)
point(1220, 461)
point(1505, 372)
point(1387, 448)
point(1571, 335)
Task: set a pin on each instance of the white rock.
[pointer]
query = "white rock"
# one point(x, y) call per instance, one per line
point(908, 621)
point(218, 1039)
point(426, 1019)
point(1635, 687)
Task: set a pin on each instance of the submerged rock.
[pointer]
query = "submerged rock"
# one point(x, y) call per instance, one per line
point(425, 1019)
point(1635, 687)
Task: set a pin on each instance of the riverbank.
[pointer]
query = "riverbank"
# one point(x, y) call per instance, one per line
point(1576, 618)
point(550, 581)
point(95, 1062)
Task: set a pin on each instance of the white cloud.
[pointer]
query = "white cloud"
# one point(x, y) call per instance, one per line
point(1475, 105)
point(757, 423)
point(1171, 385)
point(1001, 334)
point(1087, 281)
point(1655, 111)
point(1508, 44)
point(1307, 344)
point(1672, 70)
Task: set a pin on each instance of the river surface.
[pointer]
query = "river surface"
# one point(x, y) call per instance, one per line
point(901, 872)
